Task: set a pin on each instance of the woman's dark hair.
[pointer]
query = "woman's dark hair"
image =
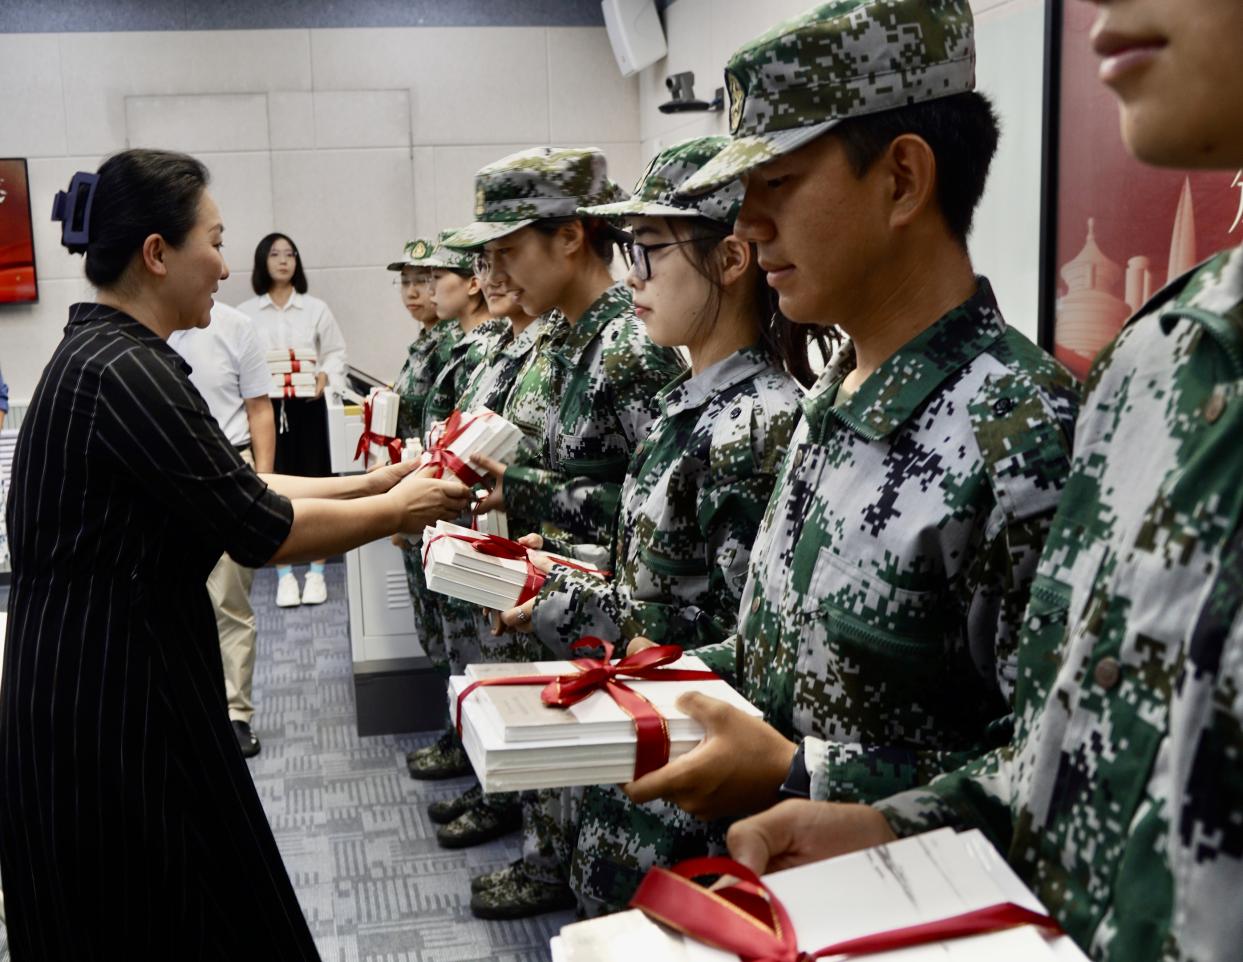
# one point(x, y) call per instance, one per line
point(261, 280)
point(601, 235)
point(140, 193)
point(787, 343)
point(962, 131)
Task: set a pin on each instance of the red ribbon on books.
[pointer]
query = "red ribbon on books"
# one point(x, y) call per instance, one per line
point(495, 546)
point(295, 366)
point(440, 457)
point(750, 921)
point(603, 674)
point(367, 438)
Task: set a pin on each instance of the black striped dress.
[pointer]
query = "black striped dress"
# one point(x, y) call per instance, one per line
point(129, 825)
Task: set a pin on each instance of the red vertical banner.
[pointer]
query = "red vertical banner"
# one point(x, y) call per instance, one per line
point(18, 282)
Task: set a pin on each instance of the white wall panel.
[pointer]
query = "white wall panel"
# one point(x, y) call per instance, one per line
point(32, 115)
point(377, 329)
point(198, 122)
point(588, 98)
point(291, 120)
point(242, 187)
point(344, 208)
point(362, 118)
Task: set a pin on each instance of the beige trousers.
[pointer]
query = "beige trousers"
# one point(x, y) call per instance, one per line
point(229, 587)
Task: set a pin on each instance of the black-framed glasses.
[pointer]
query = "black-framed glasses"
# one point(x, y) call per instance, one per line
point(639, 255)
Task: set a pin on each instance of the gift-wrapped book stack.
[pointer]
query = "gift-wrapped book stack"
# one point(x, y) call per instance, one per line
point(939, 897)
point(379, 444)
point(293, 372)
point(581, 722)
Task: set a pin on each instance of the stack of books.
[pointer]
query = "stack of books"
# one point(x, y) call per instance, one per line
point(516, 742)
point(293, 372)
point(454, 566)
point(376, 445)
point(484, 433)
point(914, 881)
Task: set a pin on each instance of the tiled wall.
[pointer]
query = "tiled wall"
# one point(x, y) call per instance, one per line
point(1005, 244)
point(352, 140)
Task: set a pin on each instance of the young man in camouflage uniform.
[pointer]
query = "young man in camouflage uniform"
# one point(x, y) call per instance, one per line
point(585, 399)
point(429, 354)
point(888, 580)
point(1120, 800)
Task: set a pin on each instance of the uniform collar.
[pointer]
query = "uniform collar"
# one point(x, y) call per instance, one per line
point(522, 344)
point(898, 388)
point(87, 313)
point(613, 302)
point(687, 392)
point(294, 302)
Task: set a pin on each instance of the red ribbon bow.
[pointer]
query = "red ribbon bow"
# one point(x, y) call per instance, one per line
point(750, 921)
point(367, 438)
point(603, 674)
point(440, 457)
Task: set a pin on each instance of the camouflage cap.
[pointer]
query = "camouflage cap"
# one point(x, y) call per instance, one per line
point(540, 182)
point(656, 193)
point(413, 253)
point(422, 253)
point(842, 59)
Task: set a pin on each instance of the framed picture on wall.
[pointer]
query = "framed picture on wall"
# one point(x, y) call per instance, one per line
point(18, 280)
point(1115, 230)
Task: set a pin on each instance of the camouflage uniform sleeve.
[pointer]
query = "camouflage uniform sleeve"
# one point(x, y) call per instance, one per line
point(1024, 436)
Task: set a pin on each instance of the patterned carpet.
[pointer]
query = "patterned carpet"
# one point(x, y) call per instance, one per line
point(352, 825)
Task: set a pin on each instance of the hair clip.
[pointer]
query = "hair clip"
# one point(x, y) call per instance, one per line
point(74, 213)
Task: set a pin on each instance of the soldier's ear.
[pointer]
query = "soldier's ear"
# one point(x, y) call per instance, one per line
point(736, 258)
point(910, 170)
point(572, 237)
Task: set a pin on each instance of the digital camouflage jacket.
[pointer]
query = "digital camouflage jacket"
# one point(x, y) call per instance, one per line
point(890, 574)
point(1120, 800)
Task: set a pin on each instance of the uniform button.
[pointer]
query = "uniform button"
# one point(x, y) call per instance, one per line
point(1107, 672)
point(798, 458)
point(1003, 406)
point(1216, 405)
point(755, 604)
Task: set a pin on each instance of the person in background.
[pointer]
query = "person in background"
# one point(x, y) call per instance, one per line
point(227, 366)
point(288, 317)
point(4, 401)
point(130, 827)
point(1120, 800)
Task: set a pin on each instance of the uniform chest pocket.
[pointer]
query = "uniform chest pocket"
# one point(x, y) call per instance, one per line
point(595, 455)
point(863, 609)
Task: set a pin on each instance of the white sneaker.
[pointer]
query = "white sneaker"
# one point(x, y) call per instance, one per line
point(287, 592)
point(314, 591)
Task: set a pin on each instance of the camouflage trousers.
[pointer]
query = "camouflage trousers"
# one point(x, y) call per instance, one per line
point(602, 843)
point(426, 604)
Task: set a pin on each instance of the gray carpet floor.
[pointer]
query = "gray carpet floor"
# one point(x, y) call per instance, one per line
point(351, 824)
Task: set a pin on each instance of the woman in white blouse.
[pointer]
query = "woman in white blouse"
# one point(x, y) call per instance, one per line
point(287, 317)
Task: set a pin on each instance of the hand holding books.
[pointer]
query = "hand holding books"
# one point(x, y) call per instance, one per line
point(940, 897)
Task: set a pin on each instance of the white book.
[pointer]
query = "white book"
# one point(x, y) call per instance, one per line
point(290, 354)
point(294, 390)
point(284, 380)
point(385, 406)
point(453, 567)
point(494, 522)
point(544, 764)
point(909, 882)
point(291, 367)
point(488, 434)
point(516, 742)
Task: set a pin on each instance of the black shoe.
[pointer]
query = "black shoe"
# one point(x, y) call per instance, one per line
point(515, 895)
point(445, 758)
point(445, 811)
point(246, 739)
point(479, 883)
point(479, 824)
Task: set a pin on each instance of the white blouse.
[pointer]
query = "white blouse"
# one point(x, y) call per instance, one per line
point(304, 322)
